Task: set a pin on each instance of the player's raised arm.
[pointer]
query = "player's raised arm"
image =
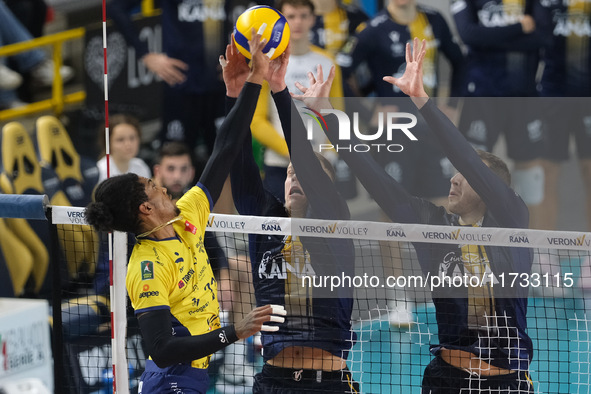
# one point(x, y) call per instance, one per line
point(235, 127)
point(386, 191)
point(499, 198)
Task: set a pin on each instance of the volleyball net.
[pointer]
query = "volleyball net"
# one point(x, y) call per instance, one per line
point(386, 354)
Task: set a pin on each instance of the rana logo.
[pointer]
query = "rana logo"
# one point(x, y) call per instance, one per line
point(519, 238)
point(387, 122)
point(271, 225)
point(396, 232)
point(147, 268)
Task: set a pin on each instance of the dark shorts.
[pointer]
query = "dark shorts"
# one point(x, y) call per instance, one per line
point(519, 119)
point(566, 117)
point(442, 378)
point(292, 381)
point(177, 379)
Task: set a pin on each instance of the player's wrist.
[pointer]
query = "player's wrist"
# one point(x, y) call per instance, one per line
point(255, 77)
point(277, 87)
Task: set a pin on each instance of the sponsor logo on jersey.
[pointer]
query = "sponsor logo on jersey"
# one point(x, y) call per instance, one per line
point(190, 228)
point(147, 268)
point(146, 288)
point(148, 294)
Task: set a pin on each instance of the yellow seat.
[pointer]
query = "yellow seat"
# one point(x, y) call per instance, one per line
point(17, 259)
point(57, 151)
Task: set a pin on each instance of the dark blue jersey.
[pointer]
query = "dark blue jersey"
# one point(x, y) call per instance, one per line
point(194, 31)
point(279, 262)
point(567, 60)
point(381, 43)
point(500, 338)
point(502, 60)
point(332, 30)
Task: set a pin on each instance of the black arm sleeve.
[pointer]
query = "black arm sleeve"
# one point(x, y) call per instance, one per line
point(320, 190)
point(215, 253)
point(229, 140)
point(391, 196)
point(119, 12)
point(501, 201)
point(247, 186)
point(166, 349)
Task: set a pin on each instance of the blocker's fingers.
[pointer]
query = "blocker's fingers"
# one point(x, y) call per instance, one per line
point(269, 328)
point(262, 29)
point(277, 319)
point(278, 309)
point(223, 62)
point(270, 53)
point(319, 73)
point(301, 87)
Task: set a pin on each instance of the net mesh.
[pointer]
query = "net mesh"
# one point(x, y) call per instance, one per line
point(390, 348)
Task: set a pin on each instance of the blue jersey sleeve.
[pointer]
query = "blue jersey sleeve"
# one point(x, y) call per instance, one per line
point(501, 201)
point(247, 187)
point(229, 141)
point(399, 205)
point(322, 194)
point(356, 50)
point(475, 35)
point(120, 12)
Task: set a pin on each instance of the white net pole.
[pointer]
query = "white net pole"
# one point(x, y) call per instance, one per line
point(119, 312)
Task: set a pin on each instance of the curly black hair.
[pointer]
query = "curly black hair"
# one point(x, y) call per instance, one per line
point(116, 204)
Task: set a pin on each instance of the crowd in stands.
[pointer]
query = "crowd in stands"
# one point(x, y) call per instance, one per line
point(495, 49)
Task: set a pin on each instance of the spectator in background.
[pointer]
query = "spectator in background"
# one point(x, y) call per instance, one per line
point(421, 168)
point(266, 127)
point(335, 22)
point(124, 142)
point(567, 73)
point(503, 41)
point(193, 35)
point(33, 63)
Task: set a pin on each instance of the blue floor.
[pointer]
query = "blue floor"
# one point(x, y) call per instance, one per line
point(389, 360)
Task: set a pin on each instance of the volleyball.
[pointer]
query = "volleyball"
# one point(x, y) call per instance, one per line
point(268, 22)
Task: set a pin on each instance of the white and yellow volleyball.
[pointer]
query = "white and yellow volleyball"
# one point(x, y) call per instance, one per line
point(268, 22)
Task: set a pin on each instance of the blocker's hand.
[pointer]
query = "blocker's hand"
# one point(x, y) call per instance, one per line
point(411, 82)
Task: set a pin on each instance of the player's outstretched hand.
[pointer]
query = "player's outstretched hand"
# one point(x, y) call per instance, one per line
point(256, 319)
point(411, 82)
point(277, 70)
point(316, 95)
point(235, 70)
point(171, 70)
point(259, 64)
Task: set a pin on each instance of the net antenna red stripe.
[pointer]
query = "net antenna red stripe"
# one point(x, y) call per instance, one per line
point(118, 241)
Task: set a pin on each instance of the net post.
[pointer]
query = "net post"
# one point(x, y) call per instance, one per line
point(119, 314)
point(57, 341)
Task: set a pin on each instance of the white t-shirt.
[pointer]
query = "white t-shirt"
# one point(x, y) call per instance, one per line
point(136, 166)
